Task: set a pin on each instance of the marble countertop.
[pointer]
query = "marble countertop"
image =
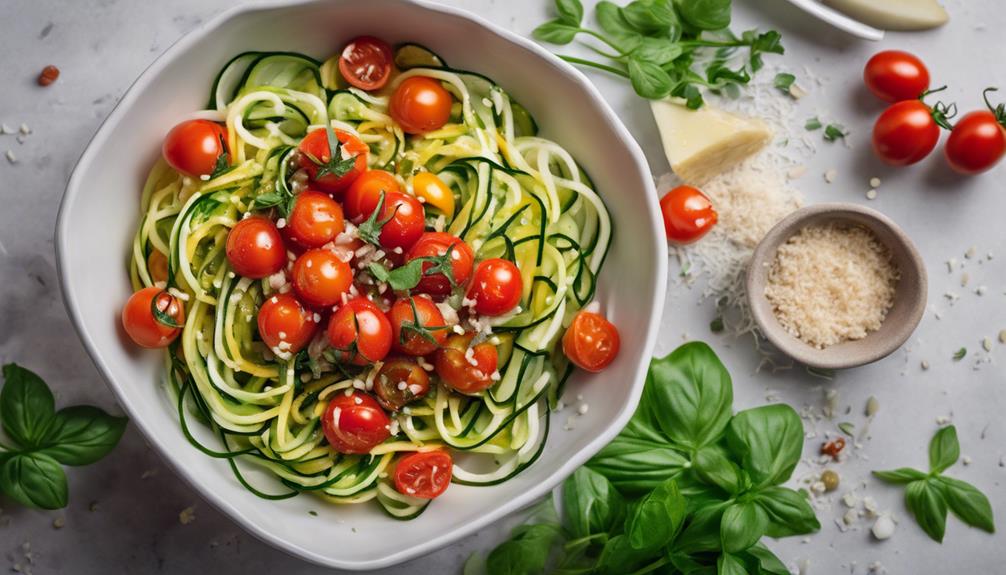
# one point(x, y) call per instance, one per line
point(124, 512)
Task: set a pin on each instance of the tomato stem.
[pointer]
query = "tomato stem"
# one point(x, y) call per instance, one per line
point(998, 111)
point(941, 113)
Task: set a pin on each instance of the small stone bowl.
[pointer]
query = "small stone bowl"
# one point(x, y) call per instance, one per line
point(902, 319)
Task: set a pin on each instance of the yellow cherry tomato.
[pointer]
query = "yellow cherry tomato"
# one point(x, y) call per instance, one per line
point(434, 192)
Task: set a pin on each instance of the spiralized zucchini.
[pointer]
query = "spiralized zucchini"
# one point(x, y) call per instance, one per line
point(517, 196)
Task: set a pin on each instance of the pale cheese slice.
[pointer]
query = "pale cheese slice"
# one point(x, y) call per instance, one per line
point(703, 143)
point(894, 14)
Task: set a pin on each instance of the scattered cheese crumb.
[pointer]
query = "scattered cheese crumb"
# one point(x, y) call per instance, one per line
point(874, 182)
point(871, 194)
point(58, 523)
point(11, 157)
point(830, 175)
point(187, 515)
point(582, 409)
point(966, 460)
point(883, 527)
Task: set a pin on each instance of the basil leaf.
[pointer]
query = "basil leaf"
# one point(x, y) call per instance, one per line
point(555, 32)
point(944, 449)
point(900, 475)
point(82, 434)
point(789, 513)
point(659, 51)
point(649, 80)
point(609, 17)
point(713, 467)
point(619, 557)
point(925, 500)
point(526, 552)
point(768, 440)
point(705, 14)
point(702, 533)
point(649, 16)
point(692, 393)
point(570, 11)
point(968, 503)
point(402, 278)
point(27, 407)
point(728, 564)
point(764, 561)
point(34, 480)
point(743, 524)
point(591, 503)
point(655, 521)
point(635, 463)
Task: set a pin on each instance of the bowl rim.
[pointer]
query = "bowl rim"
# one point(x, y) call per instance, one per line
point(234, 512)
point(791, 224)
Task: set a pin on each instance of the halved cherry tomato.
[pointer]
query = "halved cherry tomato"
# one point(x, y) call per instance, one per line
point(591, 342)
point(355, 423)
point(688, 214)
point(432, 191)
point(366, 62)
point(320, 278)
point(978, 140)
point(255, 249)
point(157, 265)
point(314, 220)
point(360, 332)
point(143, 327)
point(417, 326)
point(315, 145)
point(496, 287)
point(193, 147)
point(362, 197)
point(466, 368)
point(424, 474)
point(894, 75)
point(284, 324)
point(420, 105)
point(404, 220)
point(436, 244)
point(905, 133)
point(400, 382)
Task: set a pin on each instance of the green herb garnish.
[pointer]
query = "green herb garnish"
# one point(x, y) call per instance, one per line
point(834, 132)
point(812, 124)
point(784, 81)
point(959, 354)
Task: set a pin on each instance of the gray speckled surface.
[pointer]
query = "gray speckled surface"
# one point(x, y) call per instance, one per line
point(124, 512)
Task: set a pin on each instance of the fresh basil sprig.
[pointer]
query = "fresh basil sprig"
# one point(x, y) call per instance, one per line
point(44, 439)
point(664, 47)
point(685, 487)
point(929, 496)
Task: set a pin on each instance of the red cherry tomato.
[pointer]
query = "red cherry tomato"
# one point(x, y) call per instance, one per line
point(688, 214)
point(362, 197)
point(366, 62)
point(404, 221)
point(496, 287)
point(905, 133)
point(320, 278)
point(591, 342)
point(977, 143)
point(255, 249)
point(425, 474)
point(316, 144)
point(420, 105)
point(314, 220)
point(833, 447)
point(143, 327)
point(193, 147)
point(893, 76)
point(400, 382)
point(463, 370)
point(355, 423)
point(284, 324)
point(417, 326)
point(436, 244)
point(360, 332)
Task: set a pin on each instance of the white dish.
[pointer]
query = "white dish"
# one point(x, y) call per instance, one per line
point(839, 20)
point(100, 208)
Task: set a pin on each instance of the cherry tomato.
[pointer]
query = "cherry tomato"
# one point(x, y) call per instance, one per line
point(143, 327)
point(360, 332)
point(255, 249)
point(976, 144)
point(425, 474)
point(404, 221)
point(436, 244)
point(362, 197)
point(688, 214)
point(193, 147)
point(905, 133)
point(400, 382)
point(893, 76)
point(316, 144)
point(433, 192)
point(284, 324)
point(496, 287)
point(157, 266)
point(320, 278)
point(833, 447)
point(314, 220)
point(463, 370)
point(420, 105)
point(355, 423)
point(417, 326)
point(591, 342)
point(366, 62)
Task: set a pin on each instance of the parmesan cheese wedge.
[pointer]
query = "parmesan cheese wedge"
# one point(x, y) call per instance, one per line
point(703, 143)
point(894, 14)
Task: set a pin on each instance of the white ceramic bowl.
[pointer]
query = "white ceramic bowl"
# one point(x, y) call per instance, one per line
point(99, 213)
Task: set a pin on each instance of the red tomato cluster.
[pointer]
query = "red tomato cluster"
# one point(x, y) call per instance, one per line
point(909, 129)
